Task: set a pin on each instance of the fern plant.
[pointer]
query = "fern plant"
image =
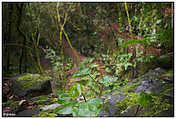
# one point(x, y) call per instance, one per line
point(131, 42)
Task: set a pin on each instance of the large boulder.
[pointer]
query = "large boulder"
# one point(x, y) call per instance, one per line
point(30, 83)
point(152, 83)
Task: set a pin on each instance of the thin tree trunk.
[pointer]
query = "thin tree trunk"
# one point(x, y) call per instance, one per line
point(20, 8)
point(10, 6)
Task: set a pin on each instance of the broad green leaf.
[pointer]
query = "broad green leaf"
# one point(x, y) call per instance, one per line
point(91, 60)
point(74, 91)
point(93, 65)
point(130, 42)
point(144, 99)
point(108, 69)
point(91, 108)
point(81, 110)
point(64, 98)
point(65, 109)
point(82, 72)
point(75, 79)
point(95, 105)
point(158, 21)
point(79, 88)
point(108, 80)
point(82, 82)
point(94, 33)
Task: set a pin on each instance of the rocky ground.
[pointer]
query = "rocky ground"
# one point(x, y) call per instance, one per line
point(30, 95)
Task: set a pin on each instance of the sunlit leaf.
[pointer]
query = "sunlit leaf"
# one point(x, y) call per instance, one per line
point(65, 109)
point(79, 88)
point(82, 82)
point(75, 79)
point(82, 72)
point(93, 65)
point(158, 21)
point(91, 60)
point(91, 108)
point(74, 91)
point(63, 98)
point(95, 104)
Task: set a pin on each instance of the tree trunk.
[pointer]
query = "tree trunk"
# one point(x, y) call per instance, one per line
point(20, 8)
point(10, 6)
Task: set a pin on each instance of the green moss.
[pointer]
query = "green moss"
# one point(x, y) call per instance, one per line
point(130, 100)
point(32, 80)
point(127, 88)
point(158, 105)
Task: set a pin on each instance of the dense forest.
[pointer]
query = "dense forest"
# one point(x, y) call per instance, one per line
point(77, 59)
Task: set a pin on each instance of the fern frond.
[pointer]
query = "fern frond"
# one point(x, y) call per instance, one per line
point(130, 42)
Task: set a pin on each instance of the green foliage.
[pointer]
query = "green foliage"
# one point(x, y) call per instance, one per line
point(58, 67)
point(144, 99)
point(166, 38)
point(11, 103)
point(131, 42)
point(85, 25)
point(76, 90)
point(141, 58)
point(124, 60)
point(108, 80)
point(92, 81)
point(66, 108)
point(41, 99)
point(154, 102)
point(82, 72)
point(45, 114)
point(79, 109)
point(90, 108)
point(159, 105)
point(64, 98)
point(116, 64)
point(56, 61)
point(131, 99)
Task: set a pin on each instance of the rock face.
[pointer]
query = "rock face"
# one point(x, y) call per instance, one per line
point(150, 82)
point(29, 83)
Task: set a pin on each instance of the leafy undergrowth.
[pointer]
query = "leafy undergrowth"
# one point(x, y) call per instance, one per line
point(85, 87)
point(15, 106)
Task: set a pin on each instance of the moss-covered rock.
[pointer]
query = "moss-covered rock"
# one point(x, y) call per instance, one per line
point(31, 81)
point(23, 84)
point(124, 102)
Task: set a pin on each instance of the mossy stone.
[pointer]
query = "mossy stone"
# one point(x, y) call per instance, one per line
point(23, 84)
